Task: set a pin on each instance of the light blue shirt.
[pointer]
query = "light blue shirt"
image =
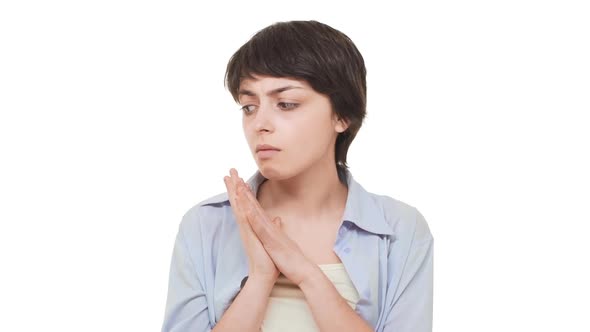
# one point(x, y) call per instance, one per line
point(384, 244)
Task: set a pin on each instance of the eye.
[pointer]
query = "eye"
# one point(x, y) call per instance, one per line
point(248, 109)
point(288, 106)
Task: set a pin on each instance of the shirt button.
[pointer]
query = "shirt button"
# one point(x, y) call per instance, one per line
point(342, 231)
point(347, 250)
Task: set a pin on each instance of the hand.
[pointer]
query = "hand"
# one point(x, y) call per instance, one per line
point(284, 252)
point(260, 264)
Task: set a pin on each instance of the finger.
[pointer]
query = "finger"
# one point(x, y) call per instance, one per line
point(231, 194)
point(236, 182)
point(243, 190)
point(248, 199)
point(262, 226)
point(234, 176)
point(248, 204)
point(249, 196)
point(235, 200)
point(230, 188)
point(233, 184)
point(248, 188)
point(257, 217)
point(245, 208)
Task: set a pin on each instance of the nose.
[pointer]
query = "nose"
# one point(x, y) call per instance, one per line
point(263, 118)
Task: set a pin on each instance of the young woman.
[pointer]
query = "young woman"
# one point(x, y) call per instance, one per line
point(300, 246)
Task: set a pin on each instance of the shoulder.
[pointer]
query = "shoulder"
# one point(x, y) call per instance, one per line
point(405, 220)
point(201, 220)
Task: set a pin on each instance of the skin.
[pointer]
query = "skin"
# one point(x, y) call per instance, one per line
point(302, 192)
point(269, 249)
point(302, 177)
point(303, 186)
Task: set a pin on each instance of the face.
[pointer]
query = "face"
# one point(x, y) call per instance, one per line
point(289, 115)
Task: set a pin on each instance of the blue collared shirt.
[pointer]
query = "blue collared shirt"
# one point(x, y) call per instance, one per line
point(384, 244)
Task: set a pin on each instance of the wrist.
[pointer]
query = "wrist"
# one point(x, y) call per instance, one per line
point(261, 282)
point(312, 278)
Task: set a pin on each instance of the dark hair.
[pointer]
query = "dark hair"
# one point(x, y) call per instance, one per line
point(321, 55)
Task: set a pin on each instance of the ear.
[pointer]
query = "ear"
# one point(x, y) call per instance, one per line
point(340, 125)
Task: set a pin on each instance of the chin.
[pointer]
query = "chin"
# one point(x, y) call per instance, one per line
point(276, 171)
point(270, 172)
point(273, 171)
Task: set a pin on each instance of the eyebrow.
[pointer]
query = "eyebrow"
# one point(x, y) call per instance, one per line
point(270, 93)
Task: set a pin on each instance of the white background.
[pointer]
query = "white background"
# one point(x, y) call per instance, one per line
point(114, 122)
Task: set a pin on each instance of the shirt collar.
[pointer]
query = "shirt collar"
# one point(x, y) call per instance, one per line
point(361, 208)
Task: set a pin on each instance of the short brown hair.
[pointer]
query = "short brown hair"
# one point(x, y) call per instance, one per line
point(321, 55)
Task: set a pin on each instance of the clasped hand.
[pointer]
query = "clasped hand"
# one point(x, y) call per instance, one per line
point(270, 250)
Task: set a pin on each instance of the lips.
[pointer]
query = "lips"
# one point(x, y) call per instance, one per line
point(266, 154)
point(265, 147)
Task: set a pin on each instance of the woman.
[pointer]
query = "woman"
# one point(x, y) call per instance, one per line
point(300, 246)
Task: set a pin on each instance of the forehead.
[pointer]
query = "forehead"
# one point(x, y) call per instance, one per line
point(270, 82)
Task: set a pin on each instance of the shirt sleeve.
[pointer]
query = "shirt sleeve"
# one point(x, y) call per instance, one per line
point(186, 304)
point(411, 311)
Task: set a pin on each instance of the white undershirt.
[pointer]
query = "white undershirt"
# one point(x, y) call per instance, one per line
point(288, 310)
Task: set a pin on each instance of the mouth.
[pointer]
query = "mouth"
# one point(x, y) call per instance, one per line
point(261, 147)
point(266, 154)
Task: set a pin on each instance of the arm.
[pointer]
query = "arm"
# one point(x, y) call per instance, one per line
point(411, 311)
point(330, 311)
point(248, 308)
point(186, 305)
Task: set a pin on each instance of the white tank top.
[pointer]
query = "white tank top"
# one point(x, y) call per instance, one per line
point(287, 308)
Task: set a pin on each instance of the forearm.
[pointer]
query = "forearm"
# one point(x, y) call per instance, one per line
point(329, 309)
point(247, 311)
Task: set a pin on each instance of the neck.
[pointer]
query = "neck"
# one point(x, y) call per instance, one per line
point(310, 195)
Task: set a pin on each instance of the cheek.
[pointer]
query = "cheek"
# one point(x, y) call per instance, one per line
point(311, 137)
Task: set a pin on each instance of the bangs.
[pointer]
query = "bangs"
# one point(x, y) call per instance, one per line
point(314, 52)
point(281, 50)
